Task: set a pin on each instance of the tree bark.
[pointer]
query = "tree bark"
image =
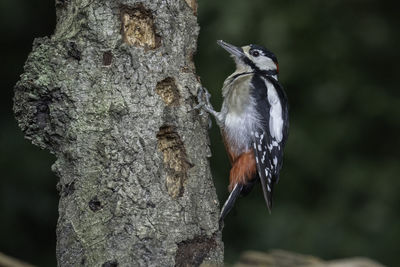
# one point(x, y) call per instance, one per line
point(110, 93)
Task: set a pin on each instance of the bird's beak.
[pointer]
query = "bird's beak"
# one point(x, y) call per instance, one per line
point(233, 50)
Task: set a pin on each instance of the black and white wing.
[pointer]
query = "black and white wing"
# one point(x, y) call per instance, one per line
point(270, 136)
point(264, 167)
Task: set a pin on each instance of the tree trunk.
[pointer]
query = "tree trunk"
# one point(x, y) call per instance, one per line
point(110, 94)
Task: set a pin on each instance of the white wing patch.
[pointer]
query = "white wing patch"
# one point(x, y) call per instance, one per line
point(275, 113)
point(275, 160)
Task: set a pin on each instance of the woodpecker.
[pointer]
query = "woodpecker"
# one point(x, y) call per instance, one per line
point(253, 120)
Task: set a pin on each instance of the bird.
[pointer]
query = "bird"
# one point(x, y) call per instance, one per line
point(254, 121)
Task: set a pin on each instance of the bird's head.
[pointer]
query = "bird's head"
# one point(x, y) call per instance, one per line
point(252, 58)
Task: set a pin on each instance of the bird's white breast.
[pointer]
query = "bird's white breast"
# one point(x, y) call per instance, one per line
point(238, 128)
point(240, 115)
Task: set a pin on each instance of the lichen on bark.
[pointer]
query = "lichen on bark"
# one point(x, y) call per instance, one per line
point(94, 100)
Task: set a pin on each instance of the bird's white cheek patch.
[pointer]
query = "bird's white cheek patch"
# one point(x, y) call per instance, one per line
point(264, 63)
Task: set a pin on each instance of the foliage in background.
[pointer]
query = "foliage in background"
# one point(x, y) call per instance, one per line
point(338, 193)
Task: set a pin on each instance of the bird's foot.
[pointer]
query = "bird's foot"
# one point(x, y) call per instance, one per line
point(203, 98)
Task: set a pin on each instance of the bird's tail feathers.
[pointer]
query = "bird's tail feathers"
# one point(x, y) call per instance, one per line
point(267, 193)
point(229, 203)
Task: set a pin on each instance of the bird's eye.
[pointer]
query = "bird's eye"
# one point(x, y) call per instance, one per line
point(255, 53)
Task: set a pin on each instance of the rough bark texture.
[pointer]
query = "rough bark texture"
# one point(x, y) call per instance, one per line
point(110, 95)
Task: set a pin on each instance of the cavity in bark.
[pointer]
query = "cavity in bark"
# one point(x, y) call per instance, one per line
point(193, 252)
point(175, 159)
point(95, 204)
point(168, 91)
point(138, 27)
point(107, 58)
point(112, 263)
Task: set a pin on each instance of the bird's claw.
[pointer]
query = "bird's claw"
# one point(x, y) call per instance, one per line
point(203, 98)
point(203, 105)
point(207, 95)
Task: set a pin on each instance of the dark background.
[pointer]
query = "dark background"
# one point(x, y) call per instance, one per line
point(339, 190)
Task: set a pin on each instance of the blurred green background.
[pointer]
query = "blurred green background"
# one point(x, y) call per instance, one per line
point(339, 190)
